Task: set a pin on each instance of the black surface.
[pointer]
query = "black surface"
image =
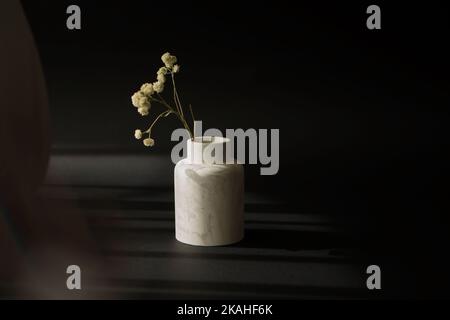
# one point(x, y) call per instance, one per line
point(283, 256)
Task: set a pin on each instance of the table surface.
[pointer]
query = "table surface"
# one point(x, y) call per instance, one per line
point(285, 254)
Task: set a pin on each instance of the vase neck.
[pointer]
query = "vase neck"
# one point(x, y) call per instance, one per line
point(206, 150)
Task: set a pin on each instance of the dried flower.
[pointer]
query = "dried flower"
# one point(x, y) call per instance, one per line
point(136, 98)
point(138, 134)
point(161, 78)
point(140, 100)
point(162, 70)
point(149, 142)
point(143, 111)
point(158, 86)
point(168, 60)
point(147, 89)
point(143, 98)
point(144, 102)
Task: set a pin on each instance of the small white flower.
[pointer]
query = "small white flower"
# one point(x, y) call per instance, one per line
point(162, 70)
point(168, 60)
point(161, 78)
point(149, 142)
point(138, 134)
point(135, 99)
point(158, 86)
point(147, 89)
point(144, 102)
point(176, 68)
point(143, 111)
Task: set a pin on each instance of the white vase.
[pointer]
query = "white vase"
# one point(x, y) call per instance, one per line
point(209, 196)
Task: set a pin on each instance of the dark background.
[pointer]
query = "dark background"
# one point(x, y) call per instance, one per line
point(362, 113)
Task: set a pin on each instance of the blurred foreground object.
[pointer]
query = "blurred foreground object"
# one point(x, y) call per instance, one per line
point(38, 239)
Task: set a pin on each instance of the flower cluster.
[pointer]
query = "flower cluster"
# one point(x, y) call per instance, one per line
point(150, 92)
point(142, 102)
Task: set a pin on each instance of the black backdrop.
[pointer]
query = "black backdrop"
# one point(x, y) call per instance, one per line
point(362, 114)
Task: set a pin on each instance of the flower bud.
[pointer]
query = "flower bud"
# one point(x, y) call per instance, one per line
point(138, 134)
point(149, 142)
point(143, 111)
point(147, 89)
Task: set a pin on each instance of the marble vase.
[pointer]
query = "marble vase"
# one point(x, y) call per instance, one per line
point(209, 195)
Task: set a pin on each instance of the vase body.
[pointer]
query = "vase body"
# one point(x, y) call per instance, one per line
point(209, 197)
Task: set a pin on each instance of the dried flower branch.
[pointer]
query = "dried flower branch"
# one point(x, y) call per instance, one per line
point(151, 92)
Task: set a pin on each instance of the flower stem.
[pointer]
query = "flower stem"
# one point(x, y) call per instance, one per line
point(165, 114)
point(180, 117)
point(176, 98)
point(192, 114)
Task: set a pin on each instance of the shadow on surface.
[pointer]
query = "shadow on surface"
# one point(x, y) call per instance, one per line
point(293, 240)
point(162, 289)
